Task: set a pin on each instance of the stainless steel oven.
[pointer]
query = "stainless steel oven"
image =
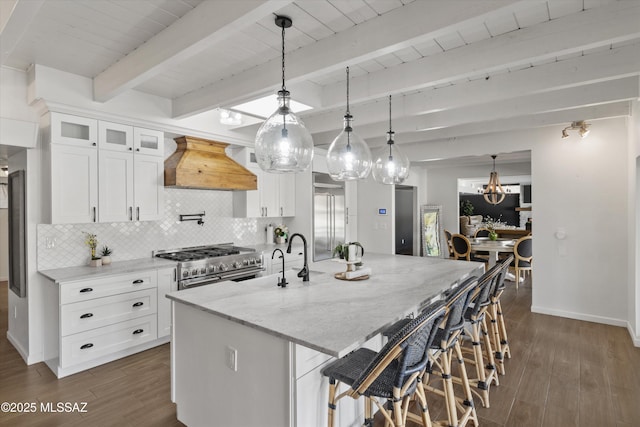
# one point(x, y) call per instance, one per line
point(205, 265)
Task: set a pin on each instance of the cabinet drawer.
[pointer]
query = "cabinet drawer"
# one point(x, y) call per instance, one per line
point(110, 339)
point(95, 313)
point(308, 359)
point(107, 286)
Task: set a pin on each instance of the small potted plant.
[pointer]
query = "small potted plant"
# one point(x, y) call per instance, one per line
point(106, 255)
point(281, 233)
point(91, 240)
point(339, 250)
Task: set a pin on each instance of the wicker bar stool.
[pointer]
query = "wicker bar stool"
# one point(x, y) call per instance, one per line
point(460, 410)
point(478, 336)
point(494, 313)
point(393, 373)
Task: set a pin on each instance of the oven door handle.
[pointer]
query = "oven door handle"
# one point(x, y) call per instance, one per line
point(242, 273)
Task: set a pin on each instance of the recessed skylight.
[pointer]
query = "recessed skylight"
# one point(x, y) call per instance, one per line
point(265, 106)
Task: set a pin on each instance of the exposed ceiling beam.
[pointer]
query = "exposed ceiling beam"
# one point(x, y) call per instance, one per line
point(613, 23)
point(605, 92)
point(207, 24)
point(15, 18)
point(402, 27)
point(601, 66)
point(604, 111)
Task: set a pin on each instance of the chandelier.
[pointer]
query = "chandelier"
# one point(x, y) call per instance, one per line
point(493, 193)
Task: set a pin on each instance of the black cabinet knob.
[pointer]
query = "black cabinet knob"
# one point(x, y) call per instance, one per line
point(86, 315)
point(138, 331)
point(86, 346)
point(85, 290)
point(138, 304)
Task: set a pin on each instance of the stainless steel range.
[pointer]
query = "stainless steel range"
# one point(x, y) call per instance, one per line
point(203, 265)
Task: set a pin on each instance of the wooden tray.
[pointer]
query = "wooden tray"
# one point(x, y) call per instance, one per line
point(341, 276)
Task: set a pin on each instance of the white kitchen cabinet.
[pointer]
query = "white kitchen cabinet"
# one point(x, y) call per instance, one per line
point(167, 282)
point(131, 182)
point(103, 171)
point(103, 319)
point(115, 136)
point(275, 196)
point(73, 130)
point(74, 184)
point(148, 141)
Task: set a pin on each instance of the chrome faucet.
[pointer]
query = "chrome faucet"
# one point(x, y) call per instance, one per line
point(304, 273)
point(282, 281)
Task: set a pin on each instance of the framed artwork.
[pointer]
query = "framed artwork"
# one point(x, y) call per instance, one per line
point(431, 230)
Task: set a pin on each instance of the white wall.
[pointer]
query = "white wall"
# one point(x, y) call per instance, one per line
point(376, 232)
point(633, 220)
point(578, 185)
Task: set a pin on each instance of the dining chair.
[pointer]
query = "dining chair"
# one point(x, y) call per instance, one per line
point(448, 235)
point(523, 253)
point(462, 248)
point(392, 374)
point(482, 232)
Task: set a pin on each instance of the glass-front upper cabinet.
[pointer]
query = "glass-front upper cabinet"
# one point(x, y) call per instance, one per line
point(73, 130)
point(148, 141)
point(115, 136)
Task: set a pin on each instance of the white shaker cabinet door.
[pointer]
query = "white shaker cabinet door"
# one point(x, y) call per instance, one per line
point(116, 186)
point(74, 184)
point(148, 188)
point(287, 194)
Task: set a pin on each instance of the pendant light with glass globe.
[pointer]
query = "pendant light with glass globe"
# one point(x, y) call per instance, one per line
point(349, 156)
point(390, 166)
point(283, 144)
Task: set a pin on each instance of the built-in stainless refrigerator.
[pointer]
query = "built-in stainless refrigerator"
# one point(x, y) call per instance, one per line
point(328, 215)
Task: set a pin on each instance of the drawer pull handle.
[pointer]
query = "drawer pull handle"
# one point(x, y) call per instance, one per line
point(86, 315)
point(84, 290)
point(138, 331)
point(138, 304)
point(86, 346)
point(135, 282)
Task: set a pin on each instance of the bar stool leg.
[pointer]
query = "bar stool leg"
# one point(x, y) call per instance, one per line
point(332, 401)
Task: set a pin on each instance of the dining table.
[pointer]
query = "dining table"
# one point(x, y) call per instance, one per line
point(494, 247)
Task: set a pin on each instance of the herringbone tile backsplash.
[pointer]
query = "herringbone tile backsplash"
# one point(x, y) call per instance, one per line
point(63, 245)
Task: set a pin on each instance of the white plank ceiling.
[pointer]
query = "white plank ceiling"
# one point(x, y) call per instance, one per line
point(455, 68)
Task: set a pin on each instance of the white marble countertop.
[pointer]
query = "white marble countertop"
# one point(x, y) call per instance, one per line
point(330, 315)
point(68, 274)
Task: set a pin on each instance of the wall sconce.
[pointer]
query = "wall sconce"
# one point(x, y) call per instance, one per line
point(581, 126)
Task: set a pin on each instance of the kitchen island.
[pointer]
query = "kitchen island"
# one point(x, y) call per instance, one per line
point(250, 353)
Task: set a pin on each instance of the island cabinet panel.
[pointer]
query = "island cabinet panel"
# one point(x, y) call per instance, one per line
point(212, 389)
point(102, 319)
point(167, 282)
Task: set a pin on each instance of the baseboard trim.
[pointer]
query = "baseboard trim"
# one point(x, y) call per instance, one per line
point(634, 337)
point(580, 316)
point(19, 348)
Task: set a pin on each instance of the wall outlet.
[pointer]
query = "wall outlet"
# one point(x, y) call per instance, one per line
point(232, 358)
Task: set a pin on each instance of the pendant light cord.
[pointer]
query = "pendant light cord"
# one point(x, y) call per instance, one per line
point(284, 89)
point(348, 113)
point(390, 141)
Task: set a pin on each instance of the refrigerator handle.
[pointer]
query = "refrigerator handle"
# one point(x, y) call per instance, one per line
point(333, 219)
point(328, 202)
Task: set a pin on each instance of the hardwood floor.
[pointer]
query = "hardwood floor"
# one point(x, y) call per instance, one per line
point(134, 391)
point(563, 373)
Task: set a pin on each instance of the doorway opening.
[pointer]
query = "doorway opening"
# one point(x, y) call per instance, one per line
point(405, 219)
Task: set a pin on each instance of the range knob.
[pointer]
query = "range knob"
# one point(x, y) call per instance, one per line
point(194, 272)
point(223, 267)
point(212, 269)
point(256, 260)
point(185, 273)
point(237, 264)
point(245, 262)
point(203, 270)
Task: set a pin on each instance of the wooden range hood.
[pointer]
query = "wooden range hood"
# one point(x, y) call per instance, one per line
point(203, 164)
